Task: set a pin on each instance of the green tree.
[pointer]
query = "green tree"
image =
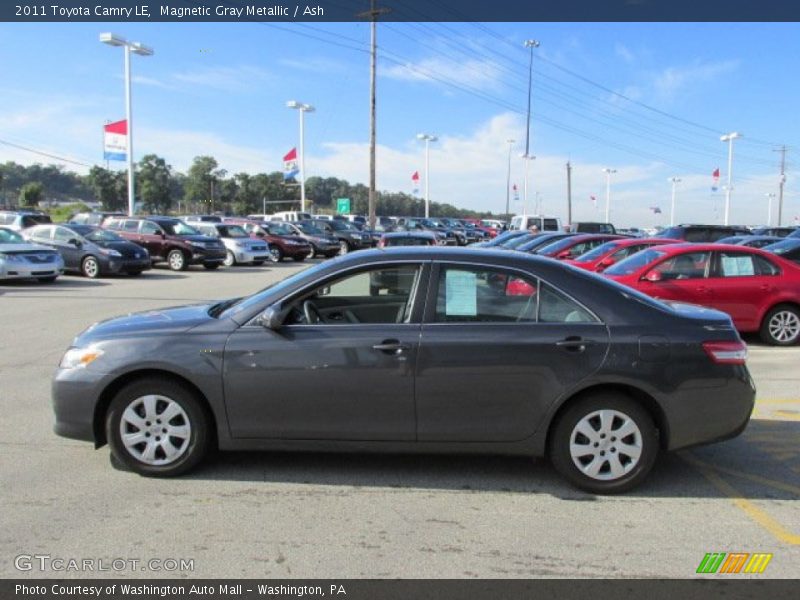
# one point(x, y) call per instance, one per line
point(105, 187)
point(203, 176)
point(31, 194)
point(155, 189)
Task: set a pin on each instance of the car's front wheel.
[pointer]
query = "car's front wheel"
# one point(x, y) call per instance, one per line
point(176, 260)
point(230, 259)
point(605, 443)
point(90, 267)
point(781, 326)
point(344, 247)
point(158, 427)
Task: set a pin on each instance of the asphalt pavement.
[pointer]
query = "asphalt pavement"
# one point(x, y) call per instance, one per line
point(279, 515)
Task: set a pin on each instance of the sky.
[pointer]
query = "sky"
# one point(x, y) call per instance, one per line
point(647, 100)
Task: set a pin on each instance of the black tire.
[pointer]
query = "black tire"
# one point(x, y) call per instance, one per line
point(50, 279)
point(90, 267)
point(176, 260)
point(277, 253)
point(211, 266)
point(200, 436)
point(781, 326)
point(635, 471)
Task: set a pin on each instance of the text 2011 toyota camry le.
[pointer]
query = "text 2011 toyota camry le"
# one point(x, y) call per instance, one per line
point(414, 350)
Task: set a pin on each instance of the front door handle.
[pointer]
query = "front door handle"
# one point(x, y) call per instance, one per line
point(574, 344)
point(391, 347)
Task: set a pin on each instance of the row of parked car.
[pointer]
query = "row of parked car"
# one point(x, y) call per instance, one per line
point(756, 283)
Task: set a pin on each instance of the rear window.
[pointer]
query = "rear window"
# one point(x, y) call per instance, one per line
point(31, 220)
point(407, 241)
point(635, 262)
point(601, 250)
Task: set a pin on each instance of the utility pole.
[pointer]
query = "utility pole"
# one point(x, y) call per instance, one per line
point(508, 178)
point(729, 137)
point(569, 193)
point(781, 184)
point(373, 13)
point(675, 181)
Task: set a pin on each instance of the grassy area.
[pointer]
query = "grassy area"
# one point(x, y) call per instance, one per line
point(59, 214)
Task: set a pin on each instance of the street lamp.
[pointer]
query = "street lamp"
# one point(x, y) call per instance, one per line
point(510, 143)
point(729, 137)
point(675, 181)
point(529, 44)
point(427, 138)
point(526, 158)
point(137, 48)
point(769, 196)
point(303, 109)
point(609, 173)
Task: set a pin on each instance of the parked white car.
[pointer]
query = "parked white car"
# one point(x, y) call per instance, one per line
point(20, 259)
point(241, 248)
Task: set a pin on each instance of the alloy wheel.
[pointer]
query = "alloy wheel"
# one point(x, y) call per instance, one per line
point(784, 326)
point(91, 268)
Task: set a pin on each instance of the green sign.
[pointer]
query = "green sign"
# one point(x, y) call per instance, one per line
point(342, 206)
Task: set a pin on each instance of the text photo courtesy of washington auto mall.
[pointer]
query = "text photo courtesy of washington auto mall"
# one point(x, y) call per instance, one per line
point(389, 299)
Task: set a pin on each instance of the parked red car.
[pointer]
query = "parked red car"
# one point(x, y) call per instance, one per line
point(605, 255)
point(759, 290)
point(575, 245)
point(283, 243)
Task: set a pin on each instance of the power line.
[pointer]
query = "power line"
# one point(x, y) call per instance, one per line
point(47, 154)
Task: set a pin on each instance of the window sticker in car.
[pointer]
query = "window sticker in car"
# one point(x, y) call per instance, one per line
point(737, 266)
point(461, 294)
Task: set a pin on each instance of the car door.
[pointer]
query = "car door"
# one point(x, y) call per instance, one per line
point(683, 278)
point(498, 348)
point(345, 374)
point(742, 282)
point(64, 240)
point(151, 236)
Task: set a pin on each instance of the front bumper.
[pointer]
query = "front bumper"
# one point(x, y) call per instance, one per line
point(75, 393)
point(26, 270)
point(249, 255)
point(128, 265)
point(208, 257)
point(291, 250)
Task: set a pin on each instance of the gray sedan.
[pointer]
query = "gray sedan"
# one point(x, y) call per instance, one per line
point(475, 351)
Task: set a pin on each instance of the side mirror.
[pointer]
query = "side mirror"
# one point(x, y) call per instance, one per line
point(273, 317)
point(653, 276)
point(606, 262)
point(564, 254)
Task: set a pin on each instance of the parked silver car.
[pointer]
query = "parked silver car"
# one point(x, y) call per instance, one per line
point(19, 259)
point(241, 248)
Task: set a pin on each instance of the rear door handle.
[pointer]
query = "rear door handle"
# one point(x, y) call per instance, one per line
point(391, 347)
point(574, 344)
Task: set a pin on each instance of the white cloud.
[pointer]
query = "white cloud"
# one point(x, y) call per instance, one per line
point(314, 64)
point(673, 80)
point(624, 53)
point(478, 74)
point(229, 79)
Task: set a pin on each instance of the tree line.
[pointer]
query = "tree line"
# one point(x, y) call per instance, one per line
point(204, 188)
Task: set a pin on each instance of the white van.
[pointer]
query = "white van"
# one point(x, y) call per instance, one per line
point(291, 215)
point(522, 222)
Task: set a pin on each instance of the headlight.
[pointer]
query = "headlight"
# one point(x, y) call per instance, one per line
point(240, 244)
point(10, 257)
point(78, 358)
point(197, 244)
point(110, 252)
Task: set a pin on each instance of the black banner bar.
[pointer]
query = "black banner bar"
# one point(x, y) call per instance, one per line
point(399, 10)
point(728, 587)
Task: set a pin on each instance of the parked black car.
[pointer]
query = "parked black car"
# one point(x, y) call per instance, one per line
point(91, 251)
point(780, 232)
point(788, 248)
point(751, 241)
point(324, 244)
point(594, 374)
point(702, 233)
point(350, 237)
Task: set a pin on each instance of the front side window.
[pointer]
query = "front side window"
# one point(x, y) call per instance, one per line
point(690, 265)
point(65, 235)
point(42, 234)
point(131, 226)
point(379, 295)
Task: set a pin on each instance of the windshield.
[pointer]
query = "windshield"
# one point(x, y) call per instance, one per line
point(232, 231)
point(309, 229)
point(783, 247)
point(10, 237)
point(431, 223)
point(556, 247)
point(102, 235)
point(279, 229)
point(518, 241)
point(178, 228)
point(635, 262)
point(342, 225)
point(601, 250)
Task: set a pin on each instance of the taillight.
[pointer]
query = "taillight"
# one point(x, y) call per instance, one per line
point(726, 353)
point(381, 244)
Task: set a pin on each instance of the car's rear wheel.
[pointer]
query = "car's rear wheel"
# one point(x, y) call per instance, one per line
point(90, 267)
point(230, 259)
point(344, 247)
point(157, 427)
point(781, 326)
point(605, 443)
point(276, 253)
point(176, 260)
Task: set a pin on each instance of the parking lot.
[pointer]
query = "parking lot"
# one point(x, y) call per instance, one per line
point(324, 516)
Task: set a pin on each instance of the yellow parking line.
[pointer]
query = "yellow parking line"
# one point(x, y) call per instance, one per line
point(750, 509)
point(796, 400)
point(778, 485)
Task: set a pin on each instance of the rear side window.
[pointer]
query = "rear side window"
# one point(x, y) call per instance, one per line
point(131, 226)
point(550, 225)
point(7, 219)
point(41, 233)
point(698, 234)
point(741, 264)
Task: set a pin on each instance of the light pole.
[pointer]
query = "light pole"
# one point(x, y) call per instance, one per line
point(770, 196)
point(675, 181)
point(729, 137)
point(427, 138)
point(609, 173)
point(302, 109)
point(529, 44)
point(137, 48)
point(526, 158)
point(510, 143)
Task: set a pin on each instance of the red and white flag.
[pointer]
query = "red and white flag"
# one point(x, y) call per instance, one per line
point(290, 168)
point(715, 177)
point(415, 182)
point(115, 140)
